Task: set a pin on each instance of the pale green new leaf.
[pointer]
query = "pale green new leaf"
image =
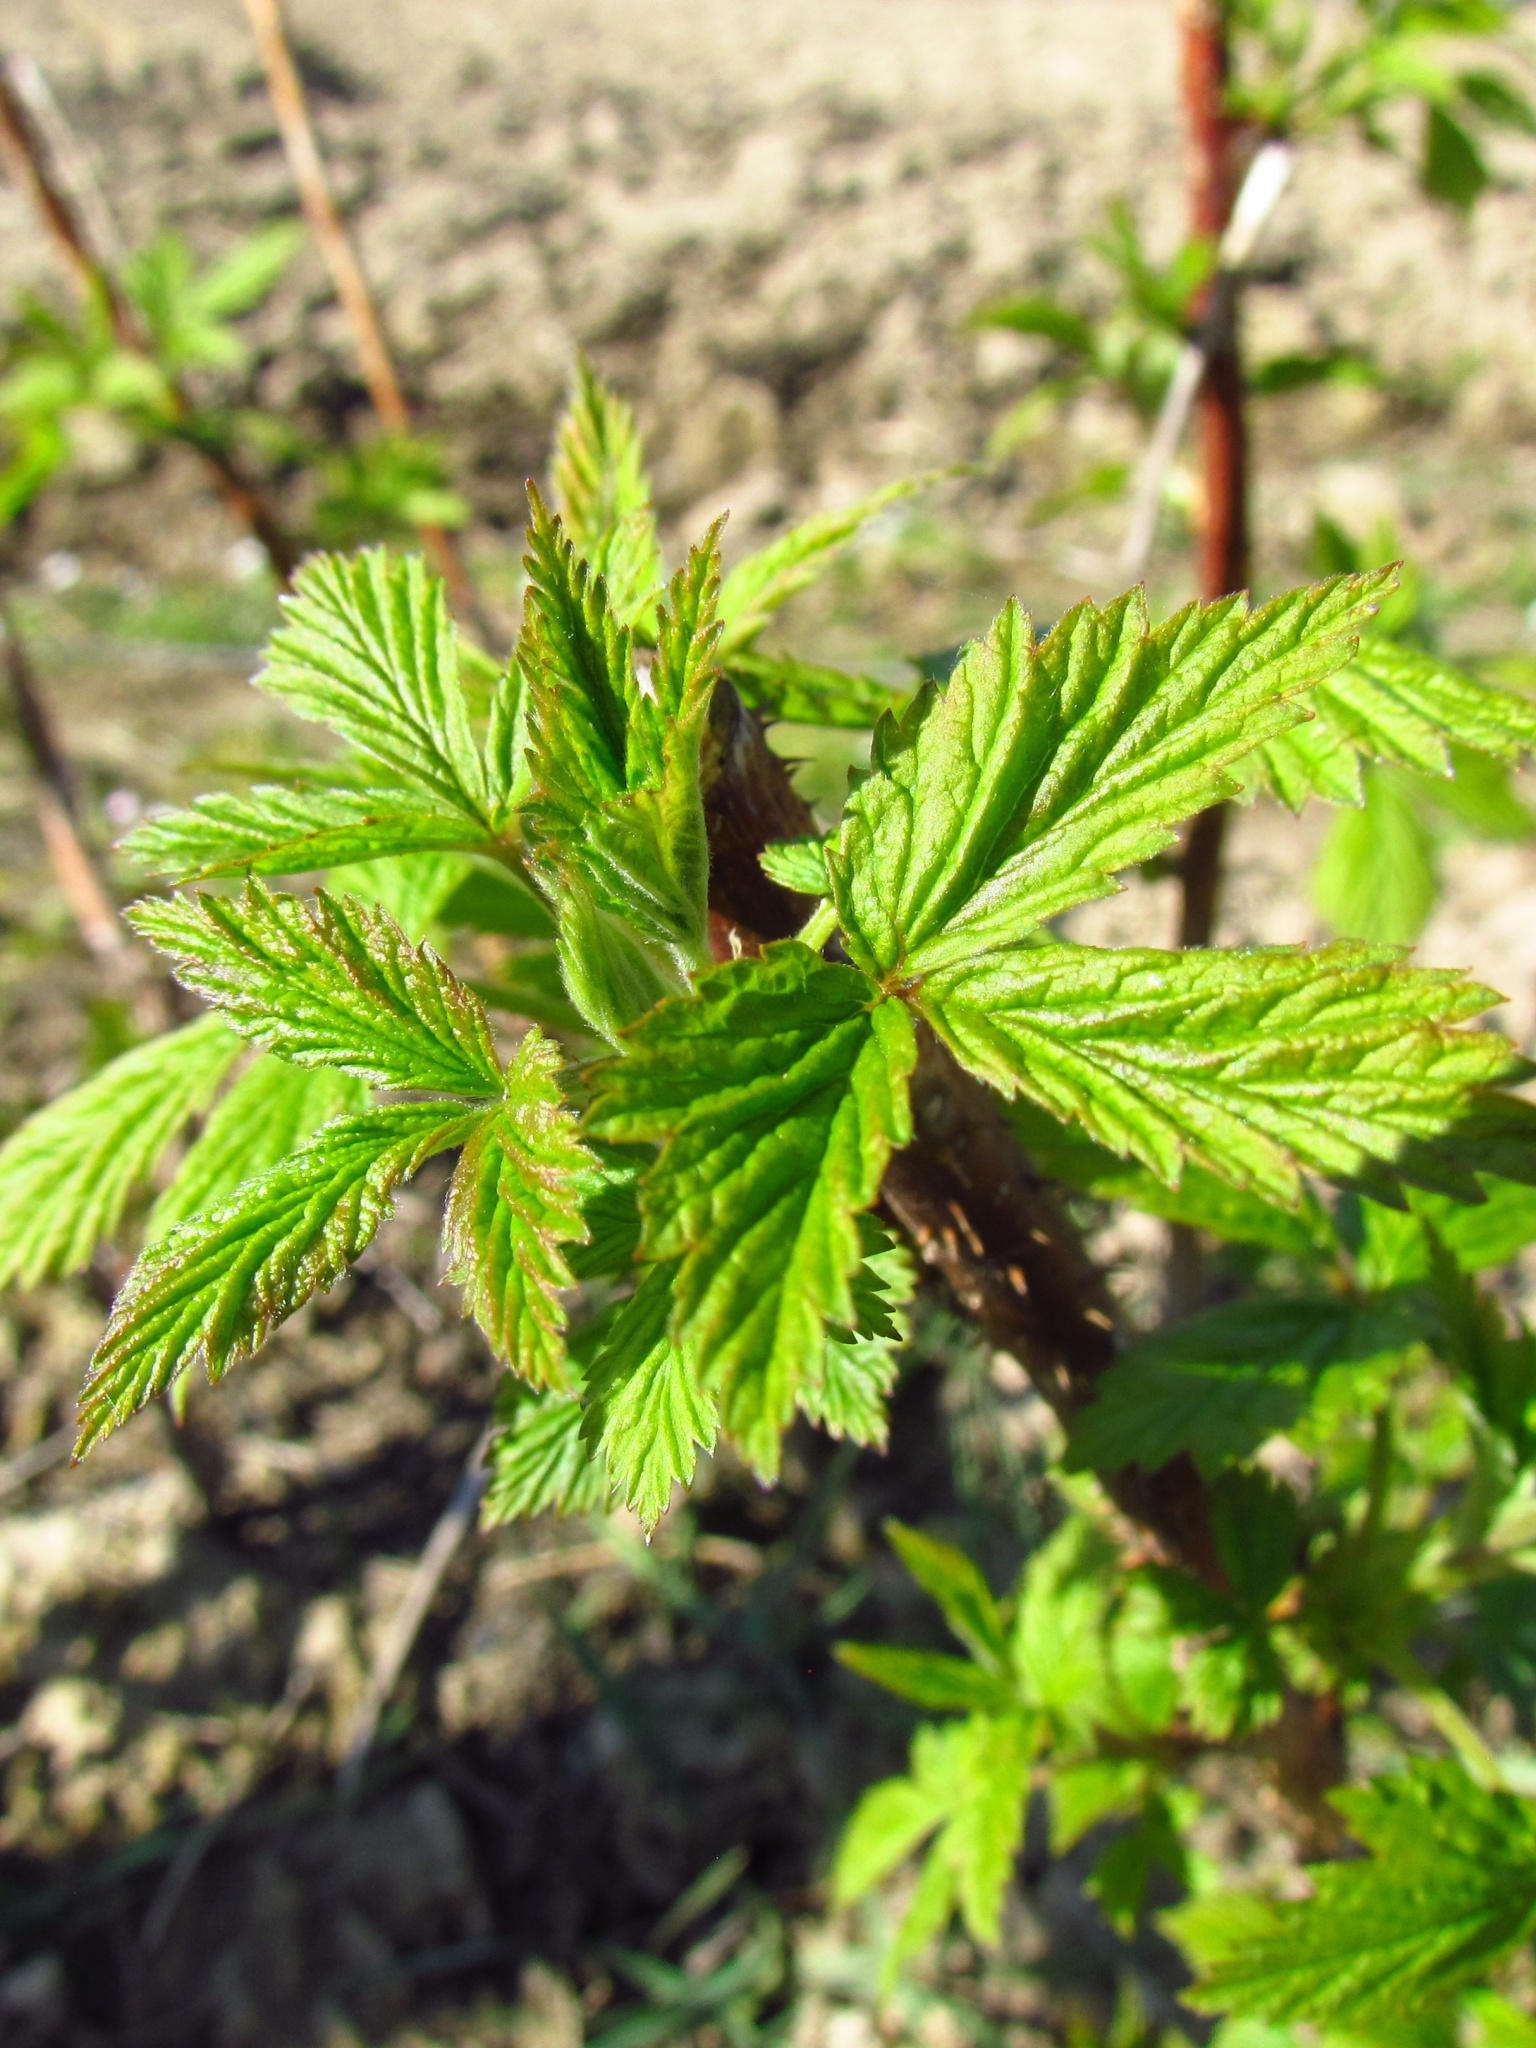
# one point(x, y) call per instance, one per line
point(798, 864)
point(1021, 786)
point(968, 1779)
point(1377, 876)
point(1257, 1063)
point(1218, 1384)
point(941, 1683)
point(618, 798)
point(798, 692)
point(537, 1463)
point(758, 586)
point(951, 1578)
point(1450, 1889)
point(777, 1093)
point(335, 983)
point(267, 1114)
point(368, 648)
point(276, 831)
point(515, 1200)
point(646, 1411)
point(68, 1174)
point(603, 496)
point(215, 1287)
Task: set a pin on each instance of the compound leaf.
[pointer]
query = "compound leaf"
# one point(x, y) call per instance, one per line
point(1256, 1063)
point(603, 496)
point(275, 831)
point(216, 1286)
point(1019, 788)
point(1450, 1888)
point(951, 1578)
point(777, 1093)
point(267, 1114)
point(368, 648)
point(333, 984)
point(514, 1201)
point(68, 1174)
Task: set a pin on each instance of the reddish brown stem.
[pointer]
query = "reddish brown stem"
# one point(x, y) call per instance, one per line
point(1215, 141)
point(289, 104)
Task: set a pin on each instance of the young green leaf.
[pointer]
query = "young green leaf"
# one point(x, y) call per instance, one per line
point(777, 1093)
point(646, 1412)
point(68, 1174)
point(216, 1286)
point(758, 586)
point(948, 1576)
point(268, 1113)
point(1377, 877)
point(604, 498)
point(618, 799)
point(1020, 788)
point(334, 984)
point(1450, 1888)
point(538, 1463)
point(798, 864)
point(515, 1200)
point(943, 1684)
point(276, 831)
point(968, 1780)
point(1218, 1384)
point(803, 693)
point(367, 647)
point(1258, 1064)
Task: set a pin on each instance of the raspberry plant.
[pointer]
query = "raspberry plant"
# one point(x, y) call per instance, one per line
point(748, 1079)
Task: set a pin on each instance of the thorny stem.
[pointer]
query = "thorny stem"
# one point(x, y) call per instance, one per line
point(26, 160)
point(963, 1191)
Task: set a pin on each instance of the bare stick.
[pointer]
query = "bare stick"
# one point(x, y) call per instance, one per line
point(27, 160)
point(74, 167)
point(26, 1466)
point(90, 905)
point(405, 1623)
point(289, 104)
